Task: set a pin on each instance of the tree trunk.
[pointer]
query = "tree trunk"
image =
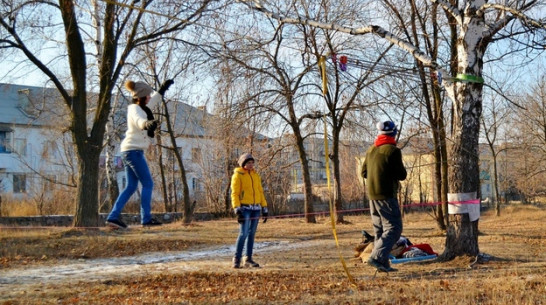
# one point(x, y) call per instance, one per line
point(162, 174)
point(188, 206)
point(466, 94)
point(308, 197)
point(227, 190)
point(441, 210)
point(496, 185)
point(307, 186)
point(88, 141)
point(462, 237)
point(445, 181)
point(87, 195)
point(113, 187)
point(334, 157)
point(439, 215)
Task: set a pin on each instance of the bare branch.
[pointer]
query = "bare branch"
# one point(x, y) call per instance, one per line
point(517, 13)
point(453, 11)
point(373, 29)
point(500, 93)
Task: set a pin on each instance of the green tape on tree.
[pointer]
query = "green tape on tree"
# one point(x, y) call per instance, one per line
point(469, 78)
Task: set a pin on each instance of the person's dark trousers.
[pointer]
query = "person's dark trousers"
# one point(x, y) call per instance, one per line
point(387, 225)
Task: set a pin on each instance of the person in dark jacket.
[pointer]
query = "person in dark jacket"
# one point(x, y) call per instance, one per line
point(383, 169)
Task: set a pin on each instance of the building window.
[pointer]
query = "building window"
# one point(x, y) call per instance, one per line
point(20, 146)
point(171, 156)
point(194, 184)
point(196, 155)
point(5, 139)
point(50, 150)
point(49, 183)
point(19, 183)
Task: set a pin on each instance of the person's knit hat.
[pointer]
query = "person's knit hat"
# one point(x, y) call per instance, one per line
point(244, 158)
point(387, 128)
point(138, 89)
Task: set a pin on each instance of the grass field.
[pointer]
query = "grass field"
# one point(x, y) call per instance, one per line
point(301, 264)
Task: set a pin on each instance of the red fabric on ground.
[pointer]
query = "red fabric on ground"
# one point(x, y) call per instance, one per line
point(424, 247)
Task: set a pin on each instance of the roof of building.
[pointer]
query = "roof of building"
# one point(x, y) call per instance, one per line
point(25, 105)
point(28, 105)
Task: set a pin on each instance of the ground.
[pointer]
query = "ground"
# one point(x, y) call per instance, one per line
point(300, 264)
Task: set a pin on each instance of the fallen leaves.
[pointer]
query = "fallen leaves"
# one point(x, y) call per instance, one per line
point(293, 276)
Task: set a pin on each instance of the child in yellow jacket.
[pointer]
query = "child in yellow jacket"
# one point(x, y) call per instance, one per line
point(248, 201)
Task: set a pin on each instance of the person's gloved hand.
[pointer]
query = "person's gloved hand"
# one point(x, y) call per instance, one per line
point(265, 213)
point(239, 213)
point(165, 86)
point(150, 125)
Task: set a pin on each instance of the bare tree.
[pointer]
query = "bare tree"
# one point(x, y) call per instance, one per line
point(341, 94)
point(124, 27)
point(529, 136)
point(274, 84)
point(226, 127)
point(493, 119)
point(476, 25)
point(112, 137)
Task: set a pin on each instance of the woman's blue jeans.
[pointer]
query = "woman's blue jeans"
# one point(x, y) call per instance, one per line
point(136, 169)
point(247, 232)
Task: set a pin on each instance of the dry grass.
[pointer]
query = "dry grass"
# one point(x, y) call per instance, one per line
point(61, 202)
point(11, 208)
point(308, 275)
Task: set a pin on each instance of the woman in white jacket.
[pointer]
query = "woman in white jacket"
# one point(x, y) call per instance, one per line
point(141, 126)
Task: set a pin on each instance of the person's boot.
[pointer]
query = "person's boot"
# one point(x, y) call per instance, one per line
point(388, 267)
point(236, 263)
point(250, 263)
point(377, 265)
point(381, 267)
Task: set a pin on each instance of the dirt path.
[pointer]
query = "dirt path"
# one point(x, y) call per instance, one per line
point(150, 263)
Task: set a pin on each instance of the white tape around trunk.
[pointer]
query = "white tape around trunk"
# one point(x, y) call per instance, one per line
point(473, 209)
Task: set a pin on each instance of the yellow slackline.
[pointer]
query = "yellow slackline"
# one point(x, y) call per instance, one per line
point(332, 210)
point(322, 66)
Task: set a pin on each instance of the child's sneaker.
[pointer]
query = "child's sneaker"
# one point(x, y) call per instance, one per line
point(236, 263)
point(250, 263)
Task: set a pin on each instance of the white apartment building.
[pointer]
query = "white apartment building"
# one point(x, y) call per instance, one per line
point(31, 154)
point(36, 149)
